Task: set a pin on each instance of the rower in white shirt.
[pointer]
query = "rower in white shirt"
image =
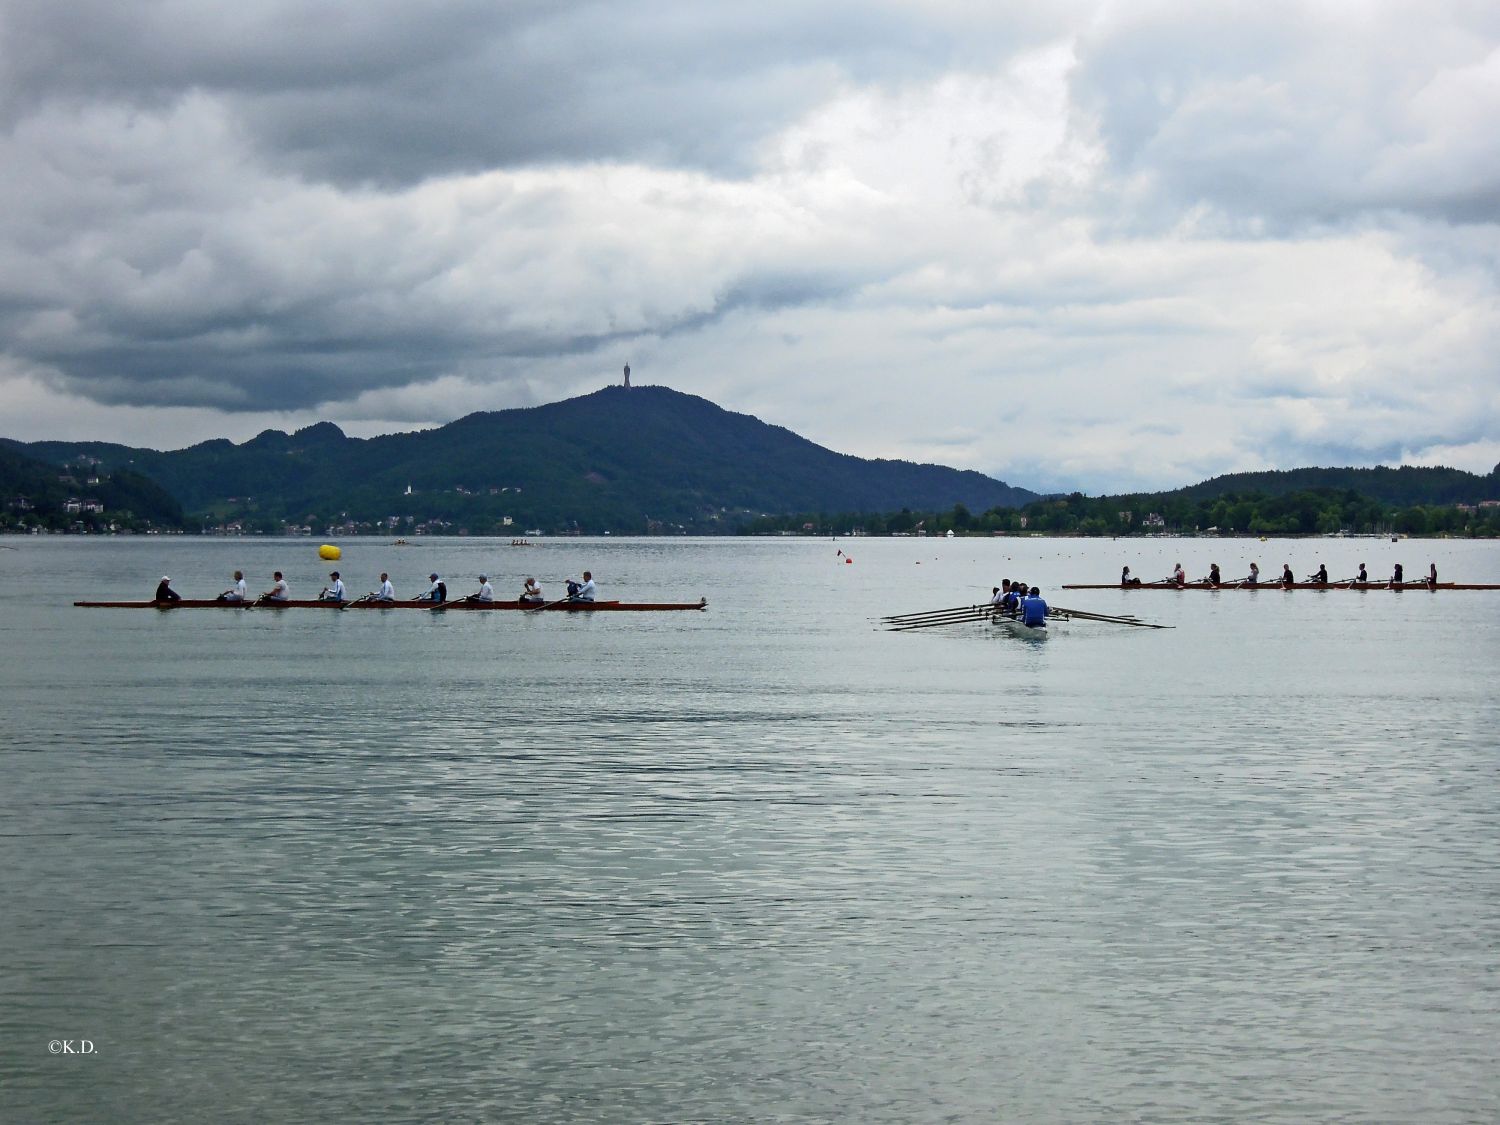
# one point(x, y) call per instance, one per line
point(280, 592)
point(335, 592)
point(532, 591)
point(588, 590)
point(485, 593)
point(387, 591)
point(237, 592)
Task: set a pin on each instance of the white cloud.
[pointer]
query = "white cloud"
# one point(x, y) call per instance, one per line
point(1103, 246)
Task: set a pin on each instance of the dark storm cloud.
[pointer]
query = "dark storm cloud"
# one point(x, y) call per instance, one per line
point(393, 93)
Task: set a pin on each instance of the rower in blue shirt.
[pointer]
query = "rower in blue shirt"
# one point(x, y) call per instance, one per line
point(1010, 603)
point(1034, 610)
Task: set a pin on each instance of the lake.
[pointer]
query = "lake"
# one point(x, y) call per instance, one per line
point(763, 862)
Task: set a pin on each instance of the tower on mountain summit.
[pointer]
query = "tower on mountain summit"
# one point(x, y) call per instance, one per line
point(627, 375)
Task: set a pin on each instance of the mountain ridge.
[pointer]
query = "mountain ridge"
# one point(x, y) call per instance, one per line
point(616, 459)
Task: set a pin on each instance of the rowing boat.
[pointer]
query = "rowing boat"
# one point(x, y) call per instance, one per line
point(1021, 629)
point(561, 607)
point(1293, 586)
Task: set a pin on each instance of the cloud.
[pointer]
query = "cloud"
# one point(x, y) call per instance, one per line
point(1093, 246)
point(1280, 116)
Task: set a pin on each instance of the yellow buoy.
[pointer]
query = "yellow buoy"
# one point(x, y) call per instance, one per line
point(329, 552)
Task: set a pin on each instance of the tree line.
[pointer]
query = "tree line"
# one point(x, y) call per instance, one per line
point(1306, 512)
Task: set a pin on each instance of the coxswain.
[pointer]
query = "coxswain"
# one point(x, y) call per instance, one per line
point(438, 593)
point(532, 591)
point(1034, 610)
point(164, 591)
point(1179, 576)
point(1213, 575)
point(279, 592)
point(588, 591)
point(334, 593)
point(485, 593)
point(237, 592)
point(1319, 576)
point(387, 592)
point(1254, 578)
point(1396, 575)
point(1363, 575)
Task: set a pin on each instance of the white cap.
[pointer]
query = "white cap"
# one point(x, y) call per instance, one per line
point(164, 578)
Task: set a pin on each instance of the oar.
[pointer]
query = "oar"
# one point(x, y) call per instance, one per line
point(370, 597)
point(1084, 616)
point(956, 611)
point(975, 618)
point(549, 605)
point(970, 613)
point(956, 615)
point(926, 613)
point(470, 599)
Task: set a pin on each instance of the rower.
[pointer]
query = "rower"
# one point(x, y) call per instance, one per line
point(532, 591)
point(997, 593)
point(387, 591)
point(588, 591)
point(1254, 578)
point(1319, 576)
point(237, 592)
point(1396, 576)
point(1287, 577)
point(438, 593)
point(1432, 576)
point(1213, 574)
point(1363, 575)
point(164, 591)
point(1034, 610)
point(1179, 576)
point(1010, 604)
point(334, 593)
point(279, 592)
point(485, 593)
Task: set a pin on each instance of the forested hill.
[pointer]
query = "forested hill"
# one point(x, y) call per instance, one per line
point(37, 493)
point(1401, 487)
point(618, 459)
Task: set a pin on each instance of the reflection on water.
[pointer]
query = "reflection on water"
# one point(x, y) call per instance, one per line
point(760, 862)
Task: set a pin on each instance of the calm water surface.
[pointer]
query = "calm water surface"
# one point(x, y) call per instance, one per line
point(765, 862)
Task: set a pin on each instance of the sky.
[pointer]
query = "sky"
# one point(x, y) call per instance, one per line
point(1078, 245)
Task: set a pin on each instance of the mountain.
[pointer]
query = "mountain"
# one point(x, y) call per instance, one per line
point(620, 459)
point(1401, 486)
point(40, 493)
